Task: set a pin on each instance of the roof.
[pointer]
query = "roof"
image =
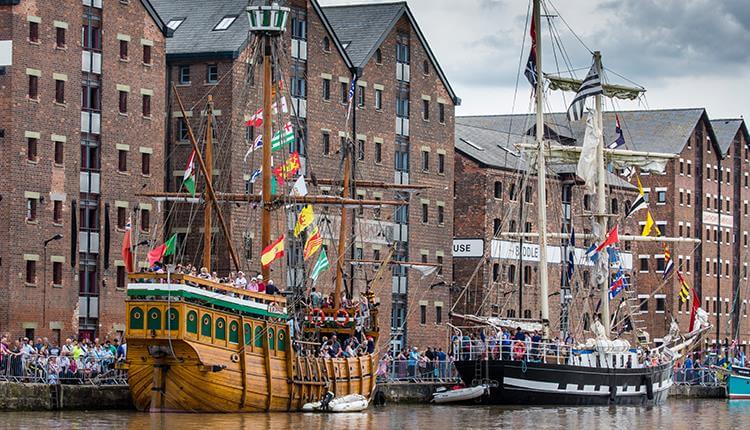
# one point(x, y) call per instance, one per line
point(495, 149)
point(362, 28)
point(195, 36)
point(726, 130)
point(157, 19)
point(664, 131)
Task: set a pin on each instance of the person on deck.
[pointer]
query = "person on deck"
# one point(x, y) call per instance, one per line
point(271, 288)
point(241, 281)
point(261, 284)
point(335, 348)
point(316, 299)
point(252, 286)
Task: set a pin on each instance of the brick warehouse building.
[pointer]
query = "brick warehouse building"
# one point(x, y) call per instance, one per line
point(495, 192)
point(706, 177)
point(81, 131)
point(324, 48)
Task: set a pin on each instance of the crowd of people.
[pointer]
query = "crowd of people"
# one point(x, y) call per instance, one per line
point(351, 347)
point(413, 364)
point(255, 284)
point(26, 360)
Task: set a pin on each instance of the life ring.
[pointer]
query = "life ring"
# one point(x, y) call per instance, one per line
point(316, 317)
point(519, 350)
point(342, 313)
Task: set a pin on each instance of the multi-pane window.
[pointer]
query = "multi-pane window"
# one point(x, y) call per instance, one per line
point(425, 161)
point(441, 163)
point(402, 53)
point(59, 152)
point(31, 149)
point(182, 130)
point(661, 196)
point(441, 215)
point(145, 219)
point(299, 87)
point(123, 102)
point(145, 163)
point(184, 75)
point(344, 92)
point(123, 49)
point(57, 206)
point(423, 314)
point(425, 213)
point(121, 217)
point(438, 313)
point(378, 99)
point(378, 152)
point(426, 110)
point(402, 107)
point(57, 272)
point(146, 54)
point(644, 264)
point(326, 143)
point(212, 73)
point(59, 91)
point(31, 204)
point(60, 37)
point(34, 32)
point(30, 272)
point(326, 89)
point(90, 98)
point(33, 87)
point(146, 105)
point(378, 56)
point(360, 149)
point(361, 97)
point(299, 28)
point(122, 160)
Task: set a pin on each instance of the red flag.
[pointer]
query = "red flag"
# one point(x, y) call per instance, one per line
point(611, 239)
point(156, 254)
point(127, 252)
point(694, 310)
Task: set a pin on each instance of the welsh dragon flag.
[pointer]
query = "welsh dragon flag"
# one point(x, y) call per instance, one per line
point(188, 178)
point(165, 249)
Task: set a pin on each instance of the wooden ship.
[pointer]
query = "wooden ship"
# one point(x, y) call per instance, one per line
point(200, 346)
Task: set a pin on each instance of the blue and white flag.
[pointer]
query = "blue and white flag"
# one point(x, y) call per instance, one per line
point(257, 144)
point(254, 177)
point(618, 131)
point(531, 69)
point(614, 256)
point(590, 86)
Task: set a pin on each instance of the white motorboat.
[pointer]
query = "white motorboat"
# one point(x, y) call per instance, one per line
point(459, 395)
point(348, 403)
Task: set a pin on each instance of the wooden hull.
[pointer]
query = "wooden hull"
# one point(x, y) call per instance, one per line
point(179, 371)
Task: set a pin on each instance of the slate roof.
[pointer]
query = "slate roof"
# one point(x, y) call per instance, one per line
point(665, 131)
point(362, 28)
point(194, 37)
point(726, 130)
point(496, 149)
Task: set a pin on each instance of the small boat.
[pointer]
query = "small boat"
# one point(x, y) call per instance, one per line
point(459, 394)
point(738, 385)
point(348, 403)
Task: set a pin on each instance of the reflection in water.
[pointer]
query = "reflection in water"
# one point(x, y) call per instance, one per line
point(679, 414)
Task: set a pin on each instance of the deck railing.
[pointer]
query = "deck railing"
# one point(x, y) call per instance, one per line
point(547, 352)
point(443, 372)
point(86, 370)
point(702, 376)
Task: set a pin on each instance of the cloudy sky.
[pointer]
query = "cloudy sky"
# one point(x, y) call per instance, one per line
point(687, 53)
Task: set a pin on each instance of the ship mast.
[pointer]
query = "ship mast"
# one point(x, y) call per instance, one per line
point(601, 199)
point(265, 230)
point(208, 207)
point(541, 176)
point(342, 234)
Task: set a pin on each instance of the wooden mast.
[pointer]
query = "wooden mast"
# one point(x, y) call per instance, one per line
point(342, 231)
point(601, 200)
point(209, 185)
point(208, 207)
point(265, 231)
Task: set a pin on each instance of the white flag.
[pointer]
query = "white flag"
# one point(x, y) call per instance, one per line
point(586, 169)
point(284, 107)
point(299, 188)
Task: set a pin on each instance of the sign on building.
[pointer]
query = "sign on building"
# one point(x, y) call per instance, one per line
point(468, 248)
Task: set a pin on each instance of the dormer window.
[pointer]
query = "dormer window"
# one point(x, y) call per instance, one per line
point(225, 23)
point(174, 23)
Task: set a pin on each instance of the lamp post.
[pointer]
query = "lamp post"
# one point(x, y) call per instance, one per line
point(44, 288)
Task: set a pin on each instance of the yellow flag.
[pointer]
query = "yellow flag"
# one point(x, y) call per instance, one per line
point(304, 219)
point(649, 224)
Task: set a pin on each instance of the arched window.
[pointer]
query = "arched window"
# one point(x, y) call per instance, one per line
point(192, 322)
point(173, 319)
point(206, 325)
point(527, 313)
point(586, 321)
point(136, 319)
point(234, 335)
point(615, 206)
point(512, 273)
point(426, 67)
point(221, 329)
point(379, 56)
point(154, 319)
point(326, 44)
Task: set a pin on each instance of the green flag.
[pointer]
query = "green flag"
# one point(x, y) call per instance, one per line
point(188, 178)
point(170, 245)
point(320, 266)
point(282, 137)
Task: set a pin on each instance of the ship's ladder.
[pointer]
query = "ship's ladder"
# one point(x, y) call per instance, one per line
point(633, 309)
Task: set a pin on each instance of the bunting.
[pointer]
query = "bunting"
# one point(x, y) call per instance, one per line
point(612, 238)
point(668, 263)
point(684, 288)
point(619, 283)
